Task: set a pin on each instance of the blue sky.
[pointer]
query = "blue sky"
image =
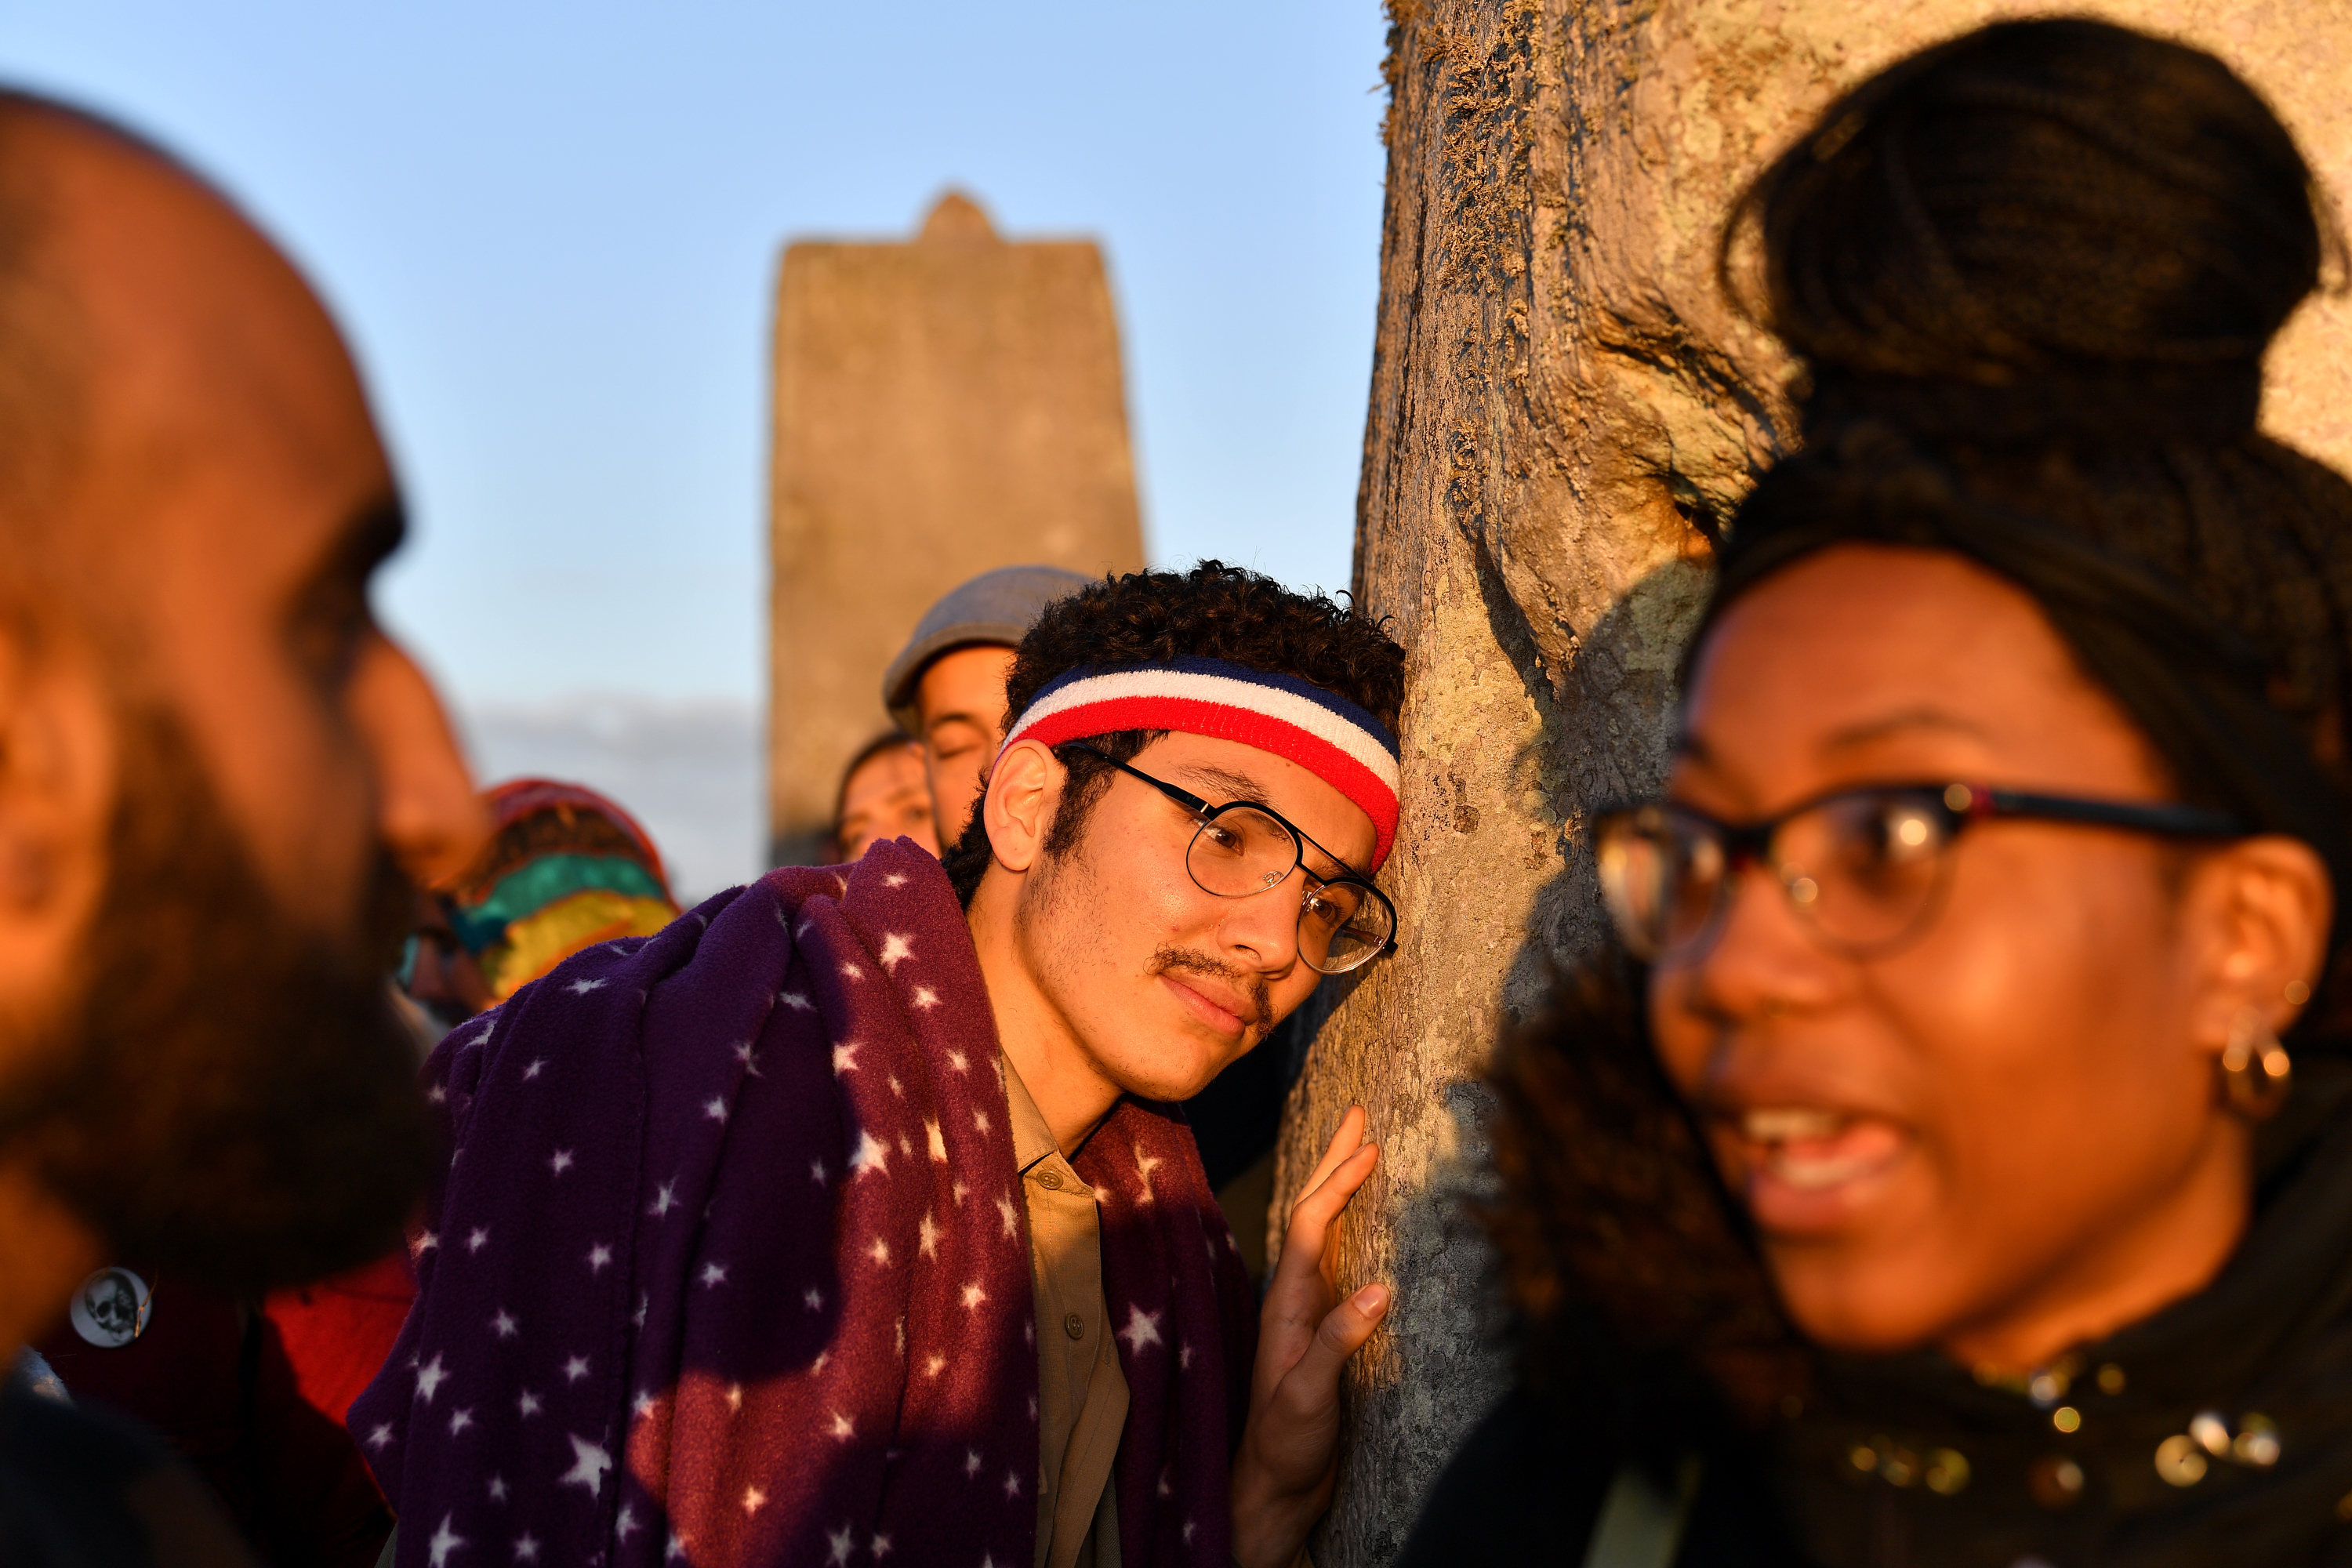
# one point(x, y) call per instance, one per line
point(552, 232)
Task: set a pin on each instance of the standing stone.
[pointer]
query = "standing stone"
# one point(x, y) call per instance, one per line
point(943, 408)
point(1563, 407)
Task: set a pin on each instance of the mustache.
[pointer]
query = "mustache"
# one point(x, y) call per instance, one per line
point(1250, 984)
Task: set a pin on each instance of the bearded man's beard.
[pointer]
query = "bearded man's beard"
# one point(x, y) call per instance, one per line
point(225, 1093)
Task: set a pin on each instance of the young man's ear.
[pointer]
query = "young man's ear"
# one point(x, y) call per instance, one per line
point(2267, 904)
point(1018, 806)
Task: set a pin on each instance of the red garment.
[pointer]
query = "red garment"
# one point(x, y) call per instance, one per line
point(214, 1380)
point(338, 1333)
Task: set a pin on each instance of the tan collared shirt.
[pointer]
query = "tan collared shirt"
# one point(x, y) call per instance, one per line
point(1081, 1394)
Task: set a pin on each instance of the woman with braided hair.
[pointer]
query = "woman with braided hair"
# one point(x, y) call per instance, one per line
point(1952, 1160)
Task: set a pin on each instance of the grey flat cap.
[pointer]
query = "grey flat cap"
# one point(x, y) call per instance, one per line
point(997, 607)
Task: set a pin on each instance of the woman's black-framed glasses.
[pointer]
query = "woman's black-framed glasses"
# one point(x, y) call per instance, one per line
point(1864, 867)
point(1241, 848)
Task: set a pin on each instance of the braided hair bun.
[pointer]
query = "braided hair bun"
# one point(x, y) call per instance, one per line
point(2045, 259)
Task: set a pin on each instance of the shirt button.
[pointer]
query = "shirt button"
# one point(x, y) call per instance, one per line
point(1076, 1325)
point(1050, 1178)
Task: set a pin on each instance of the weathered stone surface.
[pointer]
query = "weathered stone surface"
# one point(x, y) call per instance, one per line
point(943, 408)
point(1559, 392)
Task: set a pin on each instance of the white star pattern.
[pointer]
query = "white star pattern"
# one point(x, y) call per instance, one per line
point(626, 1524)
point(970, 1463)
point(850, 971)
point(444, 1540)
point(934, 1365)
point(1184, 1357)
point(575, 1369)
point(528, 1404)
point(426, 1241)
point(531, 1069)
point(814, 1299)
point(898, 1090)
point(677, 1548)
point(460, 1418)
point(1012, 1220)
point(1165, 1489)
point(1142, 1328)
point(429, 1379)
point(735, 1396)
point(817, 1171)
point(843, 1543)
point(436, 1095)
point(795, 1001)
point(926, 997)
point(845, 1057)
point(894, 879)
point(881, 1547)
point(589, 1463)
point(715, 1107)
point(906, 1148)
point(713, 1274)
point(1011, 1484)
point(664, 1200)
point(1144, 1165)
point(958, 1191)
point(926, 1236)
point(879, 1251)
point(600, 1257)
point(974, 1296)
point(641, 1408)
point(581, 987)
point(381, 1437)
point(560, 1162)
point(896, 951)
point(938, 1140)
point(1189, 1528)
point(526, 1548)
point(479, 1238)
point(956, 1060)
point(749, 1057)
point(754, 1499)
point(843, 1429)
point(873, 1154)
point(644, 1305)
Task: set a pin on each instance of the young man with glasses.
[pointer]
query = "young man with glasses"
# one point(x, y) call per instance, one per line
point(747, 1256)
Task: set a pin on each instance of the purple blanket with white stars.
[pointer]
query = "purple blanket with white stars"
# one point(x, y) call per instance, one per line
point(729, 1264)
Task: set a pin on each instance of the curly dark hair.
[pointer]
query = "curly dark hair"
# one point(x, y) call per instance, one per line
point(2029, 274)
point(1213, 611)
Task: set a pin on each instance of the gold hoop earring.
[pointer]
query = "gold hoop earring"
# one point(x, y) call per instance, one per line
point(2256, 1072)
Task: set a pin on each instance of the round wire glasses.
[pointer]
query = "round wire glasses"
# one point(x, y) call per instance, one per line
point(1241, 848)
point(1866, 868)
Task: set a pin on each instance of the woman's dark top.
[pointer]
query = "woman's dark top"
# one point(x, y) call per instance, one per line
point(2218, 1431)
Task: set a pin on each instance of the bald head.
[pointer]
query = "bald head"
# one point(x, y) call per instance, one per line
point(153, 342)
point(214, 765)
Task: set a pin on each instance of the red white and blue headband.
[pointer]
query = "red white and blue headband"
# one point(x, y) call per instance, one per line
point(1328, 735)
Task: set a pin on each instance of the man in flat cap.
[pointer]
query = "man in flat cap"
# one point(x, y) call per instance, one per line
point(945, 688)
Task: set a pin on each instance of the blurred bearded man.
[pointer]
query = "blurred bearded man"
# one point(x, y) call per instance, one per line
point(217, 778)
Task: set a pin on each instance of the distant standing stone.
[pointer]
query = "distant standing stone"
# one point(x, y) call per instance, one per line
point(943, 406)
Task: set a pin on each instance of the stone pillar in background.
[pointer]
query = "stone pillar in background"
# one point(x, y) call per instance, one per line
point(1562, 406)
point(943, 408)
